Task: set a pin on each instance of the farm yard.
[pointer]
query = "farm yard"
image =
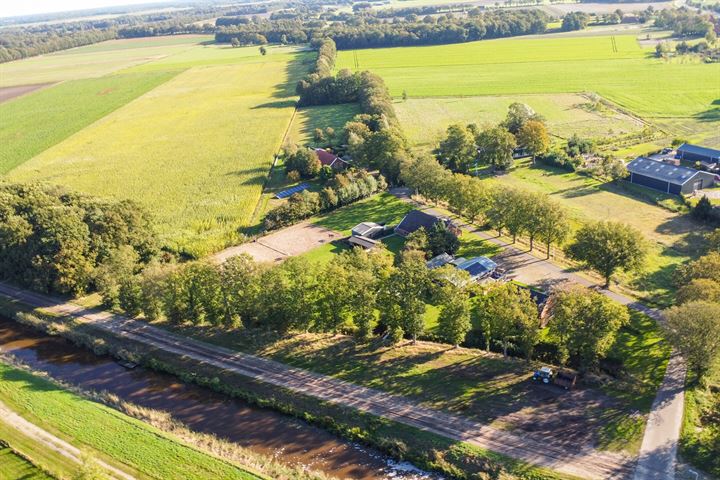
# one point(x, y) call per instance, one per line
point(672, 92)
point(191, 140)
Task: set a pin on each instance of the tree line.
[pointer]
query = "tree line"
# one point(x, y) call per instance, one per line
point(52, 240)
point(366, 294)
point(367, 31)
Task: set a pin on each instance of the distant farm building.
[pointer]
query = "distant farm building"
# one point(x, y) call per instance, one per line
point(668, 178)
point(415, 220)
point(709, 157)
point(329, 159)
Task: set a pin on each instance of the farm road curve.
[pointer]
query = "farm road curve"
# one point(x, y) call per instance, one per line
point(585, 463)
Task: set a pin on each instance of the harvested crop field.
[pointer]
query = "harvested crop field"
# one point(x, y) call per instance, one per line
point(8, 93)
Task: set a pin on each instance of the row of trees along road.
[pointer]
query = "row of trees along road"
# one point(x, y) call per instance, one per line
point(363, 293)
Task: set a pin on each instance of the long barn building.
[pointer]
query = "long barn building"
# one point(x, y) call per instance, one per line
point(668, 178)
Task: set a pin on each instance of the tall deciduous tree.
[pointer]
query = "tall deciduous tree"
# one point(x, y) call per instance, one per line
point(495, 147)
point(533, 137)
point(506, 314)
point(694, 328)
point(585, 323)
point(553, 223)
point(454, 320)
point(457, 151)
point(607, 247)
point(402, 300)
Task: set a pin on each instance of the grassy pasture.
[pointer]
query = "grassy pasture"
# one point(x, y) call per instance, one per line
point(118, 437)
point(213, 54)
point(141, 42)
point(37, 121)
point(425, 120)
point(195, 151)
point(679, 90)
point(307, 119)
point(15, 467)
point(91, 61)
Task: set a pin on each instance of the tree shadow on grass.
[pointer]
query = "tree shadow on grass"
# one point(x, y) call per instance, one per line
point(277, 104)
point(711, 114)
point(295, 69)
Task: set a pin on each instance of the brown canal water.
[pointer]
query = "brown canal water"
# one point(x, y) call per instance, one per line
point(270, 433)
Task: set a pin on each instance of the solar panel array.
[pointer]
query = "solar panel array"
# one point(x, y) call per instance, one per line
point(290, 191)
point(661, 171)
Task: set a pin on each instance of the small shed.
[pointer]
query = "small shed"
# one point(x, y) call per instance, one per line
point(668, 178)
point(478, 267)
point(695, 153)
point(439, 261)
point(363, 242)
point(368, 229)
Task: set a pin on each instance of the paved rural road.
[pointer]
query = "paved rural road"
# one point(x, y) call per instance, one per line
point(52, 442)
point(658, 453)
point(584, 463)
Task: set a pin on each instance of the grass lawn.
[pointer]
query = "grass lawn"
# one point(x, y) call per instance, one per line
point(383, 208)
point(122, 439)
point(700, 435)
point(35, 122)
point(93, 60)
point(194, 151)
point(15, 467)
point(307, 119)
point(679, 90)
point(425, 120)
point(674, 238)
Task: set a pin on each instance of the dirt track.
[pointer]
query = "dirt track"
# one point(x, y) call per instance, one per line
point(52, 442)
point(281, 244)
point(8, 93)
point(584, 463)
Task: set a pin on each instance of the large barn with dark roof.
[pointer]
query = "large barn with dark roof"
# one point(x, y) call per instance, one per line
point(695, 153)
point(668, 178)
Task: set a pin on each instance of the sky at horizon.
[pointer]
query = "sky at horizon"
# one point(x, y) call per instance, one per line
point(14, 8)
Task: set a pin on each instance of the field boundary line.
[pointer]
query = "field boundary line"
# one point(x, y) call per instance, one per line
point(273, 164)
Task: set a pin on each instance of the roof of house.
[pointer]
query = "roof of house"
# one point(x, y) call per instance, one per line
point(365, 228)
point(328, 158)
point(362, 241)
point(661, 171)
point(698, 150)
point(439, 261)
point(478, 266)
point(415, 220)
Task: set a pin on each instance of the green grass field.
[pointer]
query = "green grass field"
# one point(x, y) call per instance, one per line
point(678, 90)
point(93, 60)
point(425, 120)
point(195, 151)
point(309, 118)
point(35, 122)
point(15, 467)
point(119, 438)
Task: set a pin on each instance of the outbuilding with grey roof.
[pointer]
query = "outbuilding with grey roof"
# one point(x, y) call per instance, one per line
point(668, 178)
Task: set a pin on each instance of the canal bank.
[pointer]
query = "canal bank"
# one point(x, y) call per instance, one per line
point(283, 438)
